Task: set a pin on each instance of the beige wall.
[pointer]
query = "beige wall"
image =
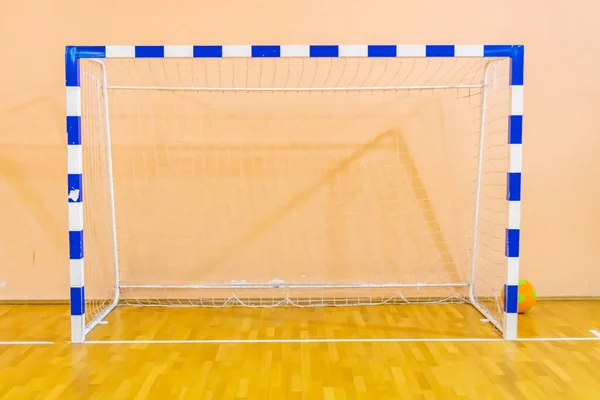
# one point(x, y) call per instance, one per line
point(561, 194)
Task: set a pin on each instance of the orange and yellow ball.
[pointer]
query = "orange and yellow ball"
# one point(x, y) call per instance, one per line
point(526, 296)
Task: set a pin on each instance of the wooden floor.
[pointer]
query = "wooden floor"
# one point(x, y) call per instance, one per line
point(416, 363)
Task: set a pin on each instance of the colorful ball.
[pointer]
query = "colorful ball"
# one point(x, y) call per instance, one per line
point(526, 296)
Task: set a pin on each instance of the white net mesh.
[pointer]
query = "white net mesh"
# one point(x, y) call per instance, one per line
point(490, 269)
point(100, 263)
point(305, 182)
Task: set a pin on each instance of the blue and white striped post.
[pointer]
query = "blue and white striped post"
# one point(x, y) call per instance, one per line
point(75, 193)
point(513, 192)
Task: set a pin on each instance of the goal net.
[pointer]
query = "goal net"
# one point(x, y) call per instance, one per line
point(294, 182)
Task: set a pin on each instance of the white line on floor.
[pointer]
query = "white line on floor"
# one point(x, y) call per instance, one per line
point(31, 343)
point(359, 340)
point(559, 339)
point(596, 337)
point(249, 341)
point(242, 341)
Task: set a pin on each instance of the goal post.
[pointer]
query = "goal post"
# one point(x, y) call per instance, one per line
point(294, 175)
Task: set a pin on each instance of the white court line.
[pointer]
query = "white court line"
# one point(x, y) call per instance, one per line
point(560, 339)
point(249, 341)
point(375, 340)
point(24, 343)
point(596, 337)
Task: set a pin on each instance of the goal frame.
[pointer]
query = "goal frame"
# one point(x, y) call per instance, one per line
point(73, 54)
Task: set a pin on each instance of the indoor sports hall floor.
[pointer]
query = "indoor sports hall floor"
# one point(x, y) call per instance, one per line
point(384, 352)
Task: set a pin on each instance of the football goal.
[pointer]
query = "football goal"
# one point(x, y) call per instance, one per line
point(294, 176)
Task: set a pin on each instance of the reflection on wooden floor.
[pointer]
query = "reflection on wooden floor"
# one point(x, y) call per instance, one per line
point(560, 319)
point(407, 321)
point(357, 370)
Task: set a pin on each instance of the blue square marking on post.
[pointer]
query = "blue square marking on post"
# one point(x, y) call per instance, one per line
point(439, 50)
point(75, 184)
point(515, 129)
point(517, 72)
point(512, 243)
point(513, 186)
point(208, 51)
point(266, 51)
point(324, 50)
point(71, 66)
point(75, 245)
point(91, 51)
point(149, 51)
point(497, 50)
point(77, 301)
point(511, 299)
point(73, 130)
point(381, 50)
